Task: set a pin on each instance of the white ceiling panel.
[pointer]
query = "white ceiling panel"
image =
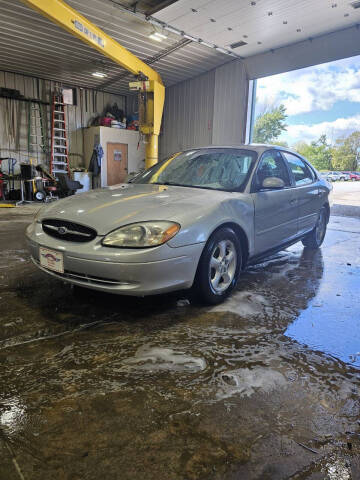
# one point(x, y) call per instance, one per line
point(262, 24)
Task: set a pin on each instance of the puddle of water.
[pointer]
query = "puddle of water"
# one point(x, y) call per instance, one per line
point(12, 416)
point(331, 324)
point(15, 256)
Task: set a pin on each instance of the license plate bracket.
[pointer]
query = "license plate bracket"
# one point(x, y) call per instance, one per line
point(51, 260)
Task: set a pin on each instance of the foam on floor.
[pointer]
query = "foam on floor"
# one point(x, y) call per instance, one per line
point(159, 358)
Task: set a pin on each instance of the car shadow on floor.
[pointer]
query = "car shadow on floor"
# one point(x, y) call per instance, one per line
point(50, 302)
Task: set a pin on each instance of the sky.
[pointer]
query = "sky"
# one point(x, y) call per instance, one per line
point(318, 100)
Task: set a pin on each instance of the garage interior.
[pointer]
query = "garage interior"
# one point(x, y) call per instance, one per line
point(264, 386)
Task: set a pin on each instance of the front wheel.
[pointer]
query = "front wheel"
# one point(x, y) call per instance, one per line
point(218, 268)
point(315, 238)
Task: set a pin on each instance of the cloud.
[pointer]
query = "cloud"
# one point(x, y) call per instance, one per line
point(340, 127)
point(313, 88)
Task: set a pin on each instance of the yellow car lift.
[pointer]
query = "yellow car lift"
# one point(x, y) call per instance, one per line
point(149, 82)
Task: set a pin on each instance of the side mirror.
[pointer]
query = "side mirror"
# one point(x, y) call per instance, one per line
point(273, 183)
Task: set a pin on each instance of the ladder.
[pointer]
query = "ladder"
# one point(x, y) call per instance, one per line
point(36, 131)
point(59, 162)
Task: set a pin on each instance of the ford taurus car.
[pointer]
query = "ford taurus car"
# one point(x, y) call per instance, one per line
point(192, 221)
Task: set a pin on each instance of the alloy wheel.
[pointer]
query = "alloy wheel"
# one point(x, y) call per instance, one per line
point(222, 266)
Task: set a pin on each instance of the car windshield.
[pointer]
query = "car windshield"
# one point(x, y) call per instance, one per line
point(216, 169)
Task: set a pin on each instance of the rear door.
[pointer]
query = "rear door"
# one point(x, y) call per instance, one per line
point(309, 197)
point(275, 219)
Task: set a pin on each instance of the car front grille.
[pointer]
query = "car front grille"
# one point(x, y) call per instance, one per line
point(72, 232)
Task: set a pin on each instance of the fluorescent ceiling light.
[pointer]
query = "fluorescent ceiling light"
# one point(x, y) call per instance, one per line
point(99, 74)
point(159, 37)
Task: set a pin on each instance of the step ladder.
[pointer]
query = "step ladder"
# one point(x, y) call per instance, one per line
point(37, 141)
point(59, 161)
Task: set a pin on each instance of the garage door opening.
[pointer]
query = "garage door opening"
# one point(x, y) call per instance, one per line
point(315, 110)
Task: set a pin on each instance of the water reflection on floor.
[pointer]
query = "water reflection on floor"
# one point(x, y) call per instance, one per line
point(261, 387)
point(331, 323)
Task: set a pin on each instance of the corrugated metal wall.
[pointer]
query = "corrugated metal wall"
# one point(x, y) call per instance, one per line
point(207, 110)
point(188, 114)
point(230, 104)
point(14, 117)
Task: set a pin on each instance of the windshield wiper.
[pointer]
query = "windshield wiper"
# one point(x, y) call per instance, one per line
point(170, 184)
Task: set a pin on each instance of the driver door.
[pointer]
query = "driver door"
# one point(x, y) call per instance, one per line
point(276, 216)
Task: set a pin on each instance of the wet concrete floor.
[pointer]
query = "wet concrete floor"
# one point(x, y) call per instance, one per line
point(265, 386)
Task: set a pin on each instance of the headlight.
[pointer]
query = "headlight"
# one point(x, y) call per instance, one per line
point(140, 235)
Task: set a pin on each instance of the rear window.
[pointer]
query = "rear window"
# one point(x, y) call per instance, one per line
point(302, 174)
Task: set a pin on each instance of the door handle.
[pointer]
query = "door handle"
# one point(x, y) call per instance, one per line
point(293, 201)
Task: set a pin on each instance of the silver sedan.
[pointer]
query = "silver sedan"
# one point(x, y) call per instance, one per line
point(193, 221)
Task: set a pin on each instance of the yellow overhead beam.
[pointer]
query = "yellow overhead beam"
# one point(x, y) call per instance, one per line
point(66, 17)
point(150, 81)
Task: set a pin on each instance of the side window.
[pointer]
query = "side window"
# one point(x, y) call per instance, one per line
point(272, 165)
point(302, 173)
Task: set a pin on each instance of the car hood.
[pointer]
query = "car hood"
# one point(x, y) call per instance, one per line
point(109, 208)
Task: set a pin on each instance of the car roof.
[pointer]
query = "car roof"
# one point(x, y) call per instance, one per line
point(256, 147)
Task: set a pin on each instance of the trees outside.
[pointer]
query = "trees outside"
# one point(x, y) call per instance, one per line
point(280, 143)
point(346, 153)
point(269, 125)
point(343, 156)
point(319, 153)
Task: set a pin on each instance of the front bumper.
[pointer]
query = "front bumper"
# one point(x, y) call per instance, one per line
point(136, 272)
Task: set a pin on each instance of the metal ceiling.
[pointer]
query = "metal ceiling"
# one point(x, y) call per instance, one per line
point(148, 7)
point(262, 25)
point(31, 44)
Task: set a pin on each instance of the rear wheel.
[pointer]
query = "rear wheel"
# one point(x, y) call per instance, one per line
point(315, 238)
point(218, 268)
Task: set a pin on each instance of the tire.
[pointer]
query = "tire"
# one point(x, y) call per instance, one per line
point(219, 267)
point(353, 179)
point(40, 196)
point(315, 238)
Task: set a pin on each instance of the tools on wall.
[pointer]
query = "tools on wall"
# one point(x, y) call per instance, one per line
point(7, 177)
point(32, 181)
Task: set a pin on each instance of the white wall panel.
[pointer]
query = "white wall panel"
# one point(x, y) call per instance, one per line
point(207, 110)
point(326, 48)
point(188, 114)
point(230, 104)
